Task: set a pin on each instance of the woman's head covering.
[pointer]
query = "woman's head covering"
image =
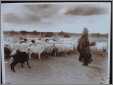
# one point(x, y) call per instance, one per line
point(85, 30)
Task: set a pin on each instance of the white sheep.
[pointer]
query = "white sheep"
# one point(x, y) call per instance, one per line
point(100, 46)
point(37, 48)
point(64, 47)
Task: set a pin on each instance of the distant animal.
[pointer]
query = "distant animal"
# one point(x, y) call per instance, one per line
point(23, 41)
point(33, 41)
point(104, 50)
point(19, 57)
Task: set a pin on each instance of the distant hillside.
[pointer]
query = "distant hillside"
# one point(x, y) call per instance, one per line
point(50, 34)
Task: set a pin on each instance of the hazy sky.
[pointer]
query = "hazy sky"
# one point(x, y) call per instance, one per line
point(68, 17)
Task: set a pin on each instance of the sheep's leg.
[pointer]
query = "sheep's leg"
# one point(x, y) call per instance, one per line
point(55, 53)
point(29, 55)
point(39, 56)
point(28, 64)
point(66, 53)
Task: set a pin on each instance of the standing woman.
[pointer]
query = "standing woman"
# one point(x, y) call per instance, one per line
point(84, 48)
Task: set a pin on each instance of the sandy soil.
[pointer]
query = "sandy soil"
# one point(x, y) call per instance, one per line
point(60, 70)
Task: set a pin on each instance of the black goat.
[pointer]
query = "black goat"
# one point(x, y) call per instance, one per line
point(20, 57)
point(7, 52)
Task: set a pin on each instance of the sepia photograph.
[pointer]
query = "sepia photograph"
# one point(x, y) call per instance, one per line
point(56, 42)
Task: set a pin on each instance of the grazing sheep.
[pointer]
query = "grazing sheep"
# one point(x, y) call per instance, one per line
point(51, 50)
point(64, 48)
point(38, 49)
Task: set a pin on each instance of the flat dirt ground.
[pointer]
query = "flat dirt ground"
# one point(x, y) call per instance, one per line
point(60, 70)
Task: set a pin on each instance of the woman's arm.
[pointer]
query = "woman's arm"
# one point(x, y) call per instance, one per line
point(92, 43)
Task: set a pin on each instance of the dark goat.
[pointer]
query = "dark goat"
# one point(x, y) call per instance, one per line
point(7, 52)
point(20, 57)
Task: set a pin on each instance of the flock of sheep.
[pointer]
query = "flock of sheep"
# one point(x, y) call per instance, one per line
point(40, 46)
